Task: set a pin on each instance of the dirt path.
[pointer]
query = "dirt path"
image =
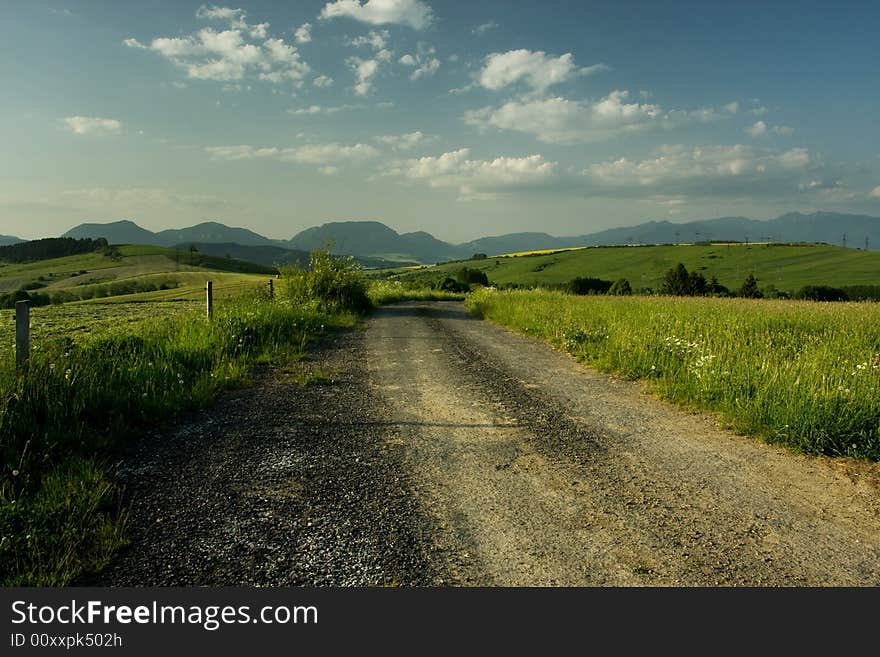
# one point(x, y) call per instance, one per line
point(449, 450)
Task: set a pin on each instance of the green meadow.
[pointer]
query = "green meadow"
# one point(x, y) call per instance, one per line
point(785, 266)
point(799, 373)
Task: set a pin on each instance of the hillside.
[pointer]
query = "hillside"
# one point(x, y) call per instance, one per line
point(129, 270)
point(6, 240)
point(787, 267)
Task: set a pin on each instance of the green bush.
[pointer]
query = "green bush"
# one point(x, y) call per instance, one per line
point(821, 293)
point(621, 288)
point(331, 284)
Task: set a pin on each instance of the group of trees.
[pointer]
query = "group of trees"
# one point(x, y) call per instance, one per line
point(51, 247)
point(464, 279)
point(678, 281)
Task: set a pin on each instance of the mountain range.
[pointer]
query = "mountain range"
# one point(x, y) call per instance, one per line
point(375, 243)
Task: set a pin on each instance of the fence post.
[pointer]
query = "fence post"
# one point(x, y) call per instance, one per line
point(209, 299)
point(22, 333)
point(271, 289)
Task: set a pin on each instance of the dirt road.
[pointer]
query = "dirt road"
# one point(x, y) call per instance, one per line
point(451, 451)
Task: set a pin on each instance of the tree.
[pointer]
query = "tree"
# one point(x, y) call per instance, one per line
point(749, 289)
point(675, 281)
point(620, 288)
point(469, 277)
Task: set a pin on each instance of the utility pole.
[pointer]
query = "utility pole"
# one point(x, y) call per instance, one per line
point(844, 241)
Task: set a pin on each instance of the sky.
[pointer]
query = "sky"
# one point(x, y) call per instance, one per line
point(463, 119)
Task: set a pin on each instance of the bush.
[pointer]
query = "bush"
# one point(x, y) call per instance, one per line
point(749, 289)
point(621, 288)
point(469, 277)
point(451, 285)
point(588, 285)
point(330, 284)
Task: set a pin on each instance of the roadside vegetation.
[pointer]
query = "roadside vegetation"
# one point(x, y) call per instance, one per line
point(802, 374)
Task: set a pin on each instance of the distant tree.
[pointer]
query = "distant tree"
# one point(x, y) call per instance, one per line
point(696, 284)
point(192, 254)
point(717, 289)
point(588, 285)
point(620, 288)
point(479, 256)
point(675, 281)
point(821, 293)
point(749, 288)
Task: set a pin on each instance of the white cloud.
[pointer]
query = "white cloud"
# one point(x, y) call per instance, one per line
point(758, 111)
point(760, 128)
point(756, 130)
point(875, 193)
point(701, 171)
point(535, 69)
point(477, 179)
point(303, 33)
point(322, 81)
point(376, 39)
point(365, 70)
point(562, 121)
point(403, 142)
point(428, 68)
point(92, 125)
point(408, 60)
point(320, 109)
point(413, 13)
point(485, 27)
point(324, 155)
point(732, 108)
point(242, 51)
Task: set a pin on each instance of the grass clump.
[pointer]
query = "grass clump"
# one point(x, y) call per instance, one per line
point(803, 374)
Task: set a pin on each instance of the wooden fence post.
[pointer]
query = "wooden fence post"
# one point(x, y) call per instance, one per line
point(209, 299)
point(271, 289)
point(22, 333)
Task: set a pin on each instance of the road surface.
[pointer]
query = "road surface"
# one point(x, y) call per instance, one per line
point(450, 451)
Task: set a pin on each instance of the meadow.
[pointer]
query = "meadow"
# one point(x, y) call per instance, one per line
point(802, 374)
point(785, 266)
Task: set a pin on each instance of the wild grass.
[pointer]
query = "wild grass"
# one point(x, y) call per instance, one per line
point(802, 374)
point(385, 292)
point(82, 398)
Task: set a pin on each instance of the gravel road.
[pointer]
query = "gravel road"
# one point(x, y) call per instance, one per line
point(451, 451)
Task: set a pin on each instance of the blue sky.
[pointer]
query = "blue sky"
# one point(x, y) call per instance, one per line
point(460, 118)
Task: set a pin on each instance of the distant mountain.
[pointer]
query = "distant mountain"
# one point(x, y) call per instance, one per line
point(6, 240)
point(516, 242)
point(214, 233)
point(830, 227)
point(116, 232)
point(375, 239)
point(375, 244)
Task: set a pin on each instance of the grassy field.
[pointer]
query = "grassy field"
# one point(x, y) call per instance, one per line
point(787, 267)
point(803, 374)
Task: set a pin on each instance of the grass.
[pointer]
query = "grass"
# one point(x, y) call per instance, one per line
point(787, 267)
point(802, 374)
point(86, 393)
point(385, 292)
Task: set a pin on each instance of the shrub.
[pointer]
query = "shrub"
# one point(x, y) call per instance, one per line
point(620, 288)
point(469, 277)
point(332, 284)
point(749, 288)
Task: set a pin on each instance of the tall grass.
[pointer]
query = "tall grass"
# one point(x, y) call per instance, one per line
point(803, 374)
point(81, 399)
point(384, 292)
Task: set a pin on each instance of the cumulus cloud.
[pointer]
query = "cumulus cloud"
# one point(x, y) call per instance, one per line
point(243, 50)
point(414, 13)
point(321, 155)
point(364, 70)
point(534, 69)
point(426, 69)
point(732, 108)
point(320, 109)
point(376, 39)
point(475, 178)
point(303, 33)
point(875, 193)
point(92, 125)
point(322, 81)
point(701, 171)
point(408, 60)
point(562, 121)
point(403, 142)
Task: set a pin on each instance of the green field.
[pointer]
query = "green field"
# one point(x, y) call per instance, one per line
point(787, 267)
point(800, 373)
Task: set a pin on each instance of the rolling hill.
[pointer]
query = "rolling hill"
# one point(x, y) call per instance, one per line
point(785, 266)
